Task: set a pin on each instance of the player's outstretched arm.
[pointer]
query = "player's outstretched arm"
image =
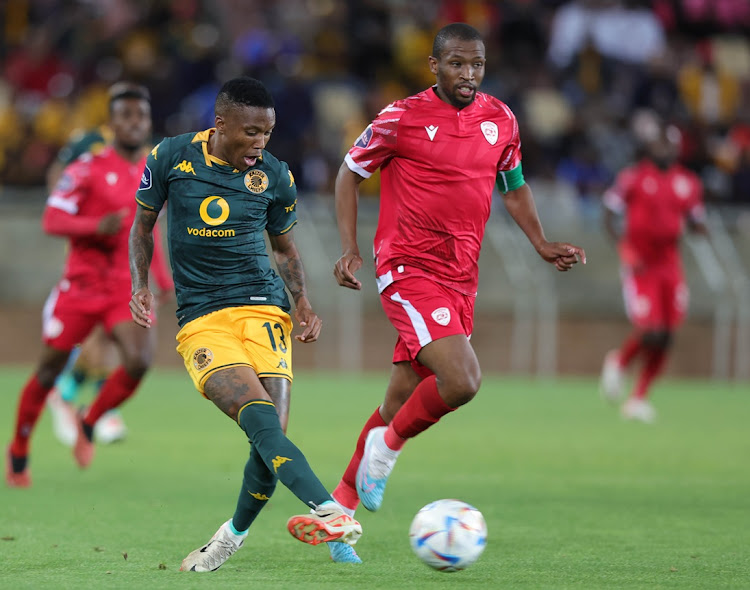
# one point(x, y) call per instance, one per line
point(520, 204)
point(140, 252)
point(347, 199)
point(292, 272)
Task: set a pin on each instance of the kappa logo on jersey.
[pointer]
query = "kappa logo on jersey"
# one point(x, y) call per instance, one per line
point(431, 131)
point(202, 358)
point(291, 178)
point(490, 132)
point(259, 496)
point(111, 178)
point(145, 179)
point(442, 316)
point(186, 167)
point(364, 138)
point(278, 461)
point(256, 181)
point(155, 150)
point(282, 364)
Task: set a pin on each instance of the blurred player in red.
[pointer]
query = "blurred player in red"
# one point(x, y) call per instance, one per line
point(656, 197)
point(440, 154)
point(93, 206)
point(97, 356)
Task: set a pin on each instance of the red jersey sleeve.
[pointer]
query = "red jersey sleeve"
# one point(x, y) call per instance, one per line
point(617, 196)
point(511, 157)
point(377, 144)
point(62, 212)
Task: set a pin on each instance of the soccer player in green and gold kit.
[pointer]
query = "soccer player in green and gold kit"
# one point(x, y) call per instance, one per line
point(224, 191)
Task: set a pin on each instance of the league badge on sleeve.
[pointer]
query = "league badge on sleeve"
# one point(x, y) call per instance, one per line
point(145, 179)
point(365, 138)
point(489, 129)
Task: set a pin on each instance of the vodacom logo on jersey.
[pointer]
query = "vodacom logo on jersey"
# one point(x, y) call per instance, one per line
point(213, 211)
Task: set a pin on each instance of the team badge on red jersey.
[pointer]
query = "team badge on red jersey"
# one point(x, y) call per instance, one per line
point(489, 129)
point(442, 316)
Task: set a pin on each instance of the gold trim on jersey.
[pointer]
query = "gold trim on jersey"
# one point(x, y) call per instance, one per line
point(142, 204)
point(286, 229)
point(210, 159)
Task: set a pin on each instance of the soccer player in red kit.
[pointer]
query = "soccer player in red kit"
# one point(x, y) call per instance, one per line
point(440, 153)
point(93, 206)
point(656, 196)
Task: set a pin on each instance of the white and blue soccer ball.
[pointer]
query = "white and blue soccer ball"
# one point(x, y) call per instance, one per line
point(448, 535)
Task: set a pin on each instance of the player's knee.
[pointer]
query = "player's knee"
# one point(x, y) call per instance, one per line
point(137, 364)
point(461, 387)
point(657, 339)
point(49, 369)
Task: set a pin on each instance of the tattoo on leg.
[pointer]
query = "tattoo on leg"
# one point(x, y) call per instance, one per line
point(229, 390)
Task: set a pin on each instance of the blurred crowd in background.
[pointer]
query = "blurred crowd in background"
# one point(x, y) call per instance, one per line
point(582, 76)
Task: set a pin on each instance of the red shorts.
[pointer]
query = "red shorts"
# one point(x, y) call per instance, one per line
point(422, 310)
point(70, 313)
point(655, 298)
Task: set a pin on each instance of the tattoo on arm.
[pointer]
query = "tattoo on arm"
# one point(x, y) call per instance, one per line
point(141, 246)
point(290, 266)
point(293, 274)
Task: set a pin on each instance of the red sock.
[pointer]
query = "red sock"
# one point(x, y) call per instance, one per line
point(345, 493)
point(629, 349)
point(654, 365)
point(118, 387)
point(423, 409)
point(30, 406)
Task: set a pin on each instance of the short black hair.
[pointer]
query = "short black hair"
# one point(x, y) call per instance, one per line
point(122, 90)
point(243, 91)
point(460, 31)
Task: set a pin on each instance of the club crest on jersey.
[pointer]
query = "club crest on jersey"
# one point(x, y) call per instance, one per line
point(489, 130)
point(202, 358)
point(145, 179)
point(365, 138)
point(442, 316)
point(256, 181)
point(681, 186)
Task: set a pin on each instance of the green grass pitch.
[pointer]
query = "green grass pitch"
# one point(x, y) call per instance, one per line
point(573, 496)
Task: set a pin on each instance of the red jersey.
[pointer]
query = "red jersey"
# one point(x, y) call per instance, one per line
point(655, 203)
point(438, 167)
point(90, 188)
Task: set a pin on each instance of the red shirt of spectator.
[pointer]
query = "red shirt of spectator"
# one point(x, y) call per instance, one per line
point(436, 196)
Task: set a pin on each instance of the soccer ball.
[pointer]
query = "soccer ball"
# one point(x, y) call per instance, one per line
point(448, 535)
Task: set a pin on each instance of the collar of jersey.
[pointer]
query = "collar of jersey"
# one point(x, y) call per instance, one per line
point(436, 98)
point(202, 136)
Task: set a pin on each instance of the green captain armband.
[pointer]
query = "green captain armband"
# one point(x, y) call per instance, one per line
point(510, 180)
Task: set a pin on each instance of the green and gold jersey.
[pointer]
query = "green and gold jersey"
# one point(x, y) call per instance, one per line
point(217, 217)
point(81, 142)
